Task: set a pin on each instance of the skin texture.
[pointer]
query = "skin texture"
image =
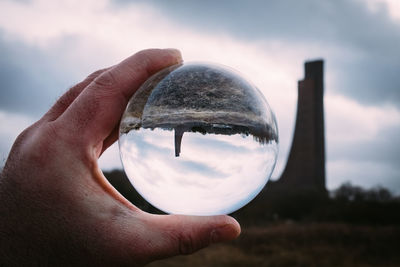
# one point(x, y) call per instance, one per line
point(57, 208)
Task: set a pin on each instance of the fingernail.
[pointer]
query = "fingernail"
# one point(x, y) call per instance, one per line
point(176, 53)
point(224, 233)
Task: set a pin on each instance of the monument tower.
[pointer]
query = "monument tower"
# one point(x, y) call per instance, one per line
point(305, 167)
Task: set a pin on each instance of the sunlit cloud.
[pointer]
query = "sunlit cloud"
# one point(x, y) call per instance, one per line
point(348, 121)
point(390, 6)
point(206, 175)
point(365, 172)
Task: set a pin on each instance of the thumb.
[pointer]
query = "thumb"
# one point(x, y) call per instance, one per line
point(181, 235)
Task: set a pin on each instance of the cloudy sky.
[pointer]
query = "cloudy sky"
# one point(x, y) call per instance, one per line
point(47, 46)
point(198, 175)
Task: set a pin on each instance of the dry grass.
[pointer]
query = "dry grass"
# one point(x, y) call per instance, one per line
point(292, 244)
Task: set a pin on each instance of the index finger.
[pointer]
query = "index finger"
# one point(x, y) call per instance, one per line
point(97, 110)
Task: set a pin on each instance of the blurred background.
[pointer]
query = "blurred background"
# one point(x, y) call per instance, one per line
point(47, 46)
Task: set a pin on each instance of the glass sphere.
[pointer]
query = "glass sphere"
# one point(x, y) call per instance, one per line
point(198, 139)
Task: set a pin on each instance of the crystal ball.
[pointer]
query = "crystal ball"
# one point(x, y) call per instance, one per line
point(198, 139)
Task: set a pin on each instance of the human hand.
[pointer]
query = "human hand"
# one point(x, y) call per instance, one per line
point(57, 208)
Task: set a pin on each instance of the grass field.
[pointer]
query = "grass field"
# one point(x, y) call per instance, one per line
point(299, 244)
point(357, 227)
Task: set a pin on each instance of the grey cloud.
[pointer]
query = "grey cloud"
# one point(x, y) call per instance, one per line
point(369, 80)
point(24, 1)
point(196, 167)
point(381, 152)
point(384, 149)
point(220, 145)
point(347, 24)
point(316, 20)
point(147, 149)
point(31, 78)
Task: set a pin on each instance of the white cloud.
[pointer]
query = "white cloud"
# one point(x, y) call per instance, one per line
point(123, 31)
point(390, 6)
point(214, 173)
point(348, 121)
point(110, 159)
point(365, 173)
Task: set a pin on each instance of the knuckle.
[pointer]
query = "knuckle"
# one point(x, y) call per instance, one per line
point(20, 140)
point(27, 146)
point(144, 54)
point(51, 132)
point(26, 135)
point(65, 100)
point(144, 58)
point(186, 244)
point(190, 242)
point(58, 135)
point(94, 75)
point(106, 79)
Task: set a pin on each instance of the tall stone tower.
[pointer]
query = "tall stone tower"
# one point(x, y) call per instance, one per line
point(305, 168)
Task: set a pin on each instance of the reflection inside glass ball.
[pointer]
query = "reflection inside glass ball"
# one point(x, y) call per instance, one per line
point(197, 139)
